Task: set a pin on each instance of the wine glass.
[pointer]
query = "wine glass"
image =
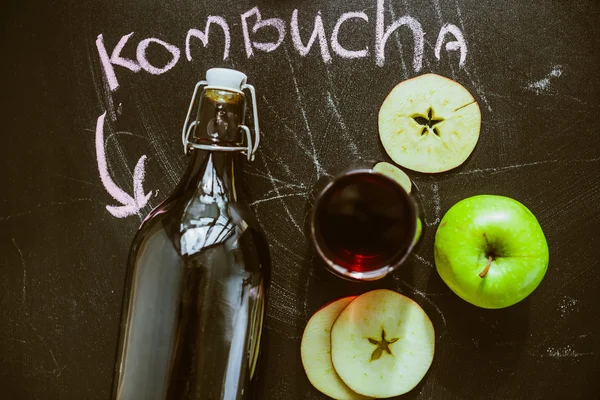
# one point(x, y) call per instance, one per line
point(364, 222)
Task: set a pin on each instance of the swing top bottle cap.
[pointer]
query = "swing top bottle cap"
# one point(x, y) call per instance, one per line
point(226, 78)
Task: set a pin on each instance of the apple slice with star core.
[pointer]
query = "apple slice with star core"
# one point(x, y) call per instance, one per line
point(429, 123)
point(315, 351)
point(491, 251)
point(382, 344)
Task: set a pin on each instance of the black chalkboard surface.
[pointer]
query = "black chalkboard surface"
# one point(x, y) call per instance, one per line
point(73, 195)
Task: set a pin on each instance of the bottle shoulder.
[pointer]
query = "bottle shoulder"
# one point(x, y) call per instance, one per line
point(226, 246)
point(193, 224)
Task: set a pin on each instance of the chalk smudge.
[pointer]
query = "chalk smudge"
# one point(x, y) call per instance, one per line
point(543, 84)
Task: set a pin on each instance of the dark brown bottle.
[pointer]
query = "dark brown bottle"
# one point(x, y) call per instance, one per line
point(198, 269)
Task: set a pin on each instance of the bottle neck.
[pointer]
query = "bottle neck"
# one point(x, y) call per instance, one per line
point(218, 120)
point(212, 173)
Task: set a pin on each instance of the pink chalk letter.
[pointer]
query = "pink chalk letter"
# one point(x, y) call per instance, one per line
point(276, 23)
point(114, 59)
point(203, 36)
point(458, 44)
point(335, 43)
point(145, 64)
point(318, 31)
point(382, 34)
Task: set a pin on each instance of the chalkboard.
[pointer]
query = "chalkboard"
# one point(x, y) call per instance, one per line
point(73, 194)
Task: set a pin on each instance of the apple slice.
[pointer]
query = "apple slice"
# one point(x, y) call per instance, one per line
point(382, 344)
point(315, 351)
point(419, 230)
point(429, 124)
point(395, 173)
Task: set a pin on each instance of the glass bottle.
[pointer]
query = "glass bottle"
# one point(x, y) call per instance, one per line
point(199, 267)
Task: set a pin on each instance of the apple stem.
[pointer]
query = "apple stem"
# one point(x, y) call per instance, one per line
point(483, 273)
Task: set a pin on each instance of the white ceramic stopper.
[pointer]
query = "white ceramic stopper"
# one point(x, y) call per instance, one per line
point(226, 78)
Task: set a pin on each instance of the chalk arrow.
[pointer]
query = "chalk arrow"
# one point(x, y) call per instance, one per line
point(129, 205)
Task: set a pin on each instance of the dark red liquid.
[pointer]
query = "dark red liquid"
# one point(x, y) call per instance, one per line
point(364, 221)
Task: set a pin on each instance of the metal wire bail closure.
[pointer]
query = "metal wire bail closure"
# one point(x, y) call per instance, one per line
point(252, 145)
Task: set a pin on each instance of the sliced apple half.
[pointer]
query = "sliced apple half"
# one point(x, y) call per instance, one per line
point(429, 124)
point(315, 351)
point(395, 173)
point(419, 230)
point(382, 344)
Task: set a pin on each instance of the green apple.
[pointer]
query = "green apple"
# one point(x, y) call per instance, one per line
point(382, 344)
point(491, 251)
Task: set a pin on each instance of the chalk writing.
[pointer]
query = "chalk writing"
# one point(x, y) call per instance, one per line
point(129, 205)
point(114, 59)
point(458, 44)
point(145, 64)
point(275, 29)
point(382, 35)
point(276, 23)
point(335, 43)
point(203, 36)
point(318, 31)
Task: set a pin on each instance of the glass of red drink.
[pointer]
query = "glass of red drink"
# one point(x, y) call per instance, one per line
point(363, 224)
